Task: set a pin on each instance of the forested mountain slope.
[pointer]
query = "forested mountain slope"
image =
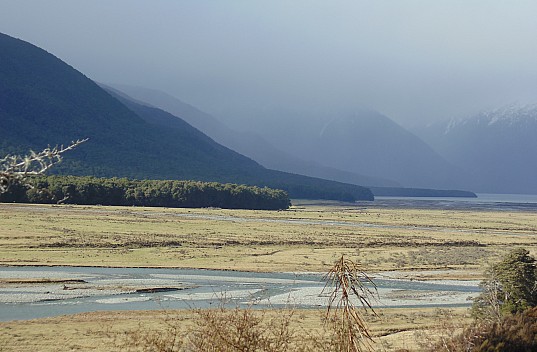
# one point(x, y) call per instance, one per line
point(45, 101)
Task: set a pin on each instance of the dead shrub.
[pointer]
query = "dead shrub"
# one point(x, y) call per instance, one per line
point(169, 337)
point(348, 294)
point(513, 333)
point(246, 329)
point(223, 330)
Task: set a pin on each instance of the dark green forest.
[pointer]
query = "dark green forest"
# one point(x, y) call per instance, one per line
point(44, 101)
point(152, 193)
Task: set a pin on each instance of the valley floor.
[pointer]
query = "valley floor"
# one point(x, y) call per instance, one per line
point(418, 243)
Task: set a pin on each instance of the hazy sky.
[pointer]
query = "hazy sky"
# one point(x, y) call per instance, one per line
point(412, 60)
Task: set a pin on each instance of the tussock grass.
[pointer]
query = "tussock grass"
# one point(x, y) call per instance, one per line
point(392, 329)
point(305, 238)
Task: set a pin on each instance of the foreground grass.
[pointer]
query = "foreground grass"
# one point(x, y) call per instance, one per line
point(114, 331)
point(304, 238)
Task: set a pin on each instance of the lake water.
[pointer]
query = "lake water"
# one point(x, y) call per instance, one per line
point(484, 201)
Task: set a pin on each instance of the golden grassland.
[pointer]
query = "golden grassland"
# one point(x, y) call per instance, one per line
point(425, 243)
point(304, 238)
point(113, 331)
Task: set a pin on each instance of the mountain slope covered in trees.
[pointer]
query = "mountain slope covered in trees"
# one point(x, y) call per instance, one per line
point(45, 101)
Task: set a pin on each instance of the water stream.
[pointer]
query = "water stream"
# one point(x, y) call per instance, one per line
point(96, 289)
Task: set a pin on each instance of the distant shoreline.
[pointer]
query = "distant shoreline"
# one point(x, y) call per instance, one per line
point(420, 192)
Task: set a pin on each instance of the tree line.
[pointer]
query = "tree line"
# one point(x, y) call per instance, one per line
point(88, 190)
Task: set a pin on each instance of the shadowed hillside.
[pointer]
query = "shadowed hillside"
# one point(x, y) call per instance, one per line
point(250, 144)
point(45, 101)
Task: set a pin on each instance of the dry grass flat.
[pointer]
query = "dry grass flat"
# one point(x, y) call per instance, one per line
point(454, 244)
point(303, 238)
point(111, 331)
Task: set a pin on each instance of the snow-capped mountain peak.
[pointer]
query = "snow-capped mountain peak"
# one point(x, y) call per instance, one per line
point(508, 115)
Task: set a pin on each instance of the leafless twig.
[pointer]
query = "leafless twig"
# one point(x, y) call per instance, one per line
point(16, 168)
point(347, 284)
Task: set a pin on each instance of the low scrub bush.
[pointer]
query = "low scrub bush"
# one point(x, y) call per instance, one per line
point(505, 313)
point(513, 333)
point(246, 329)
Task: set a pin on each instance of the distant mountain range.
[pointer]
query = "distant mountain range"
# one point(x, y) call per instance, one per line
point(45, 101)
point(250, 144)
point(498, 148)
point(372, 141)
point(363, 142)
point(490, 152)
point(263, 150)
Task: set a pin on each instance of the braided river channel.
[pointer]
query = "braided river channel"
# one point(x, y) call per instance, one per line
point(36, 292)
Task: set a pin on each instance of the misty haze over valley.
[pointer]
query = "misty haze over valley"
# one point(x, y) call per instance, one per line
point(485, 152)
point(407, 94)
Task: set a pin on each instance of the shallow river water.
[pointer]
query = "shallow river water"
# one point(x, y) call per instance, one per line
point(94, 289)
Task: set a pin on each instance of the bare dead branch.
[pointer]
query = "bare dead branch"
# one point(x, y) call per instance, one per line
point(17, 169)
point(347, 285)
